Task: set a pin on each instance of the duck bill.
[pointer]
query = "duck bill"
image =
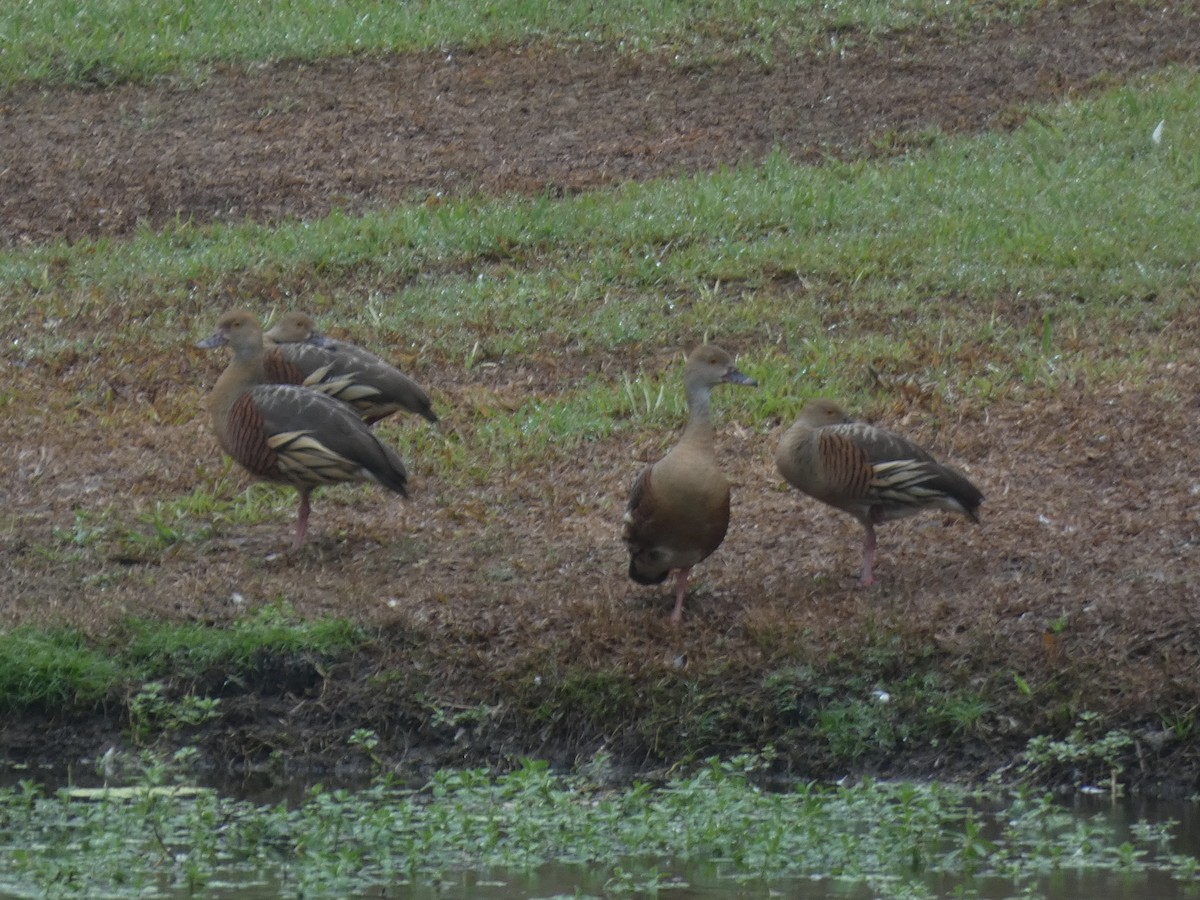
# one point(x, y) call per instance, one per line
point(733, 376)
point(319, 340)
point(216, 339)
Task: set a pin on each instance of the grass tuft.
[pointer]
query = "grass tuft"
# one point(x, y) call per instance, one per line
point(190, 650)
point(61, 669)
point(52, 671)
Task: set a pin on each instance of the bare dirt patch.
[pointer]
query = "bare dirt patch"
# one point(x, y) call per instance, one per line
point(298, 140)
point(1081, 578)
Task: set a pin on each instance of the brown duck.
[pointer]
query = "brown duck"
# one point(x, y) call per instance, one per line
point(286, 433)
point(299, 354)
point(678, 511)
point(871, 473)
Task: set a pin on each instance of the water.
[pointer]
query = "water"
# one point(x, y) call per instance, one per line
point(702, 882)
point(285, 841)
point(692, 880)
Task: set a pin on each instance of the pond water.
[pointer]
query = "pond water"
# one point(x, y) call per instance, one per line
point(702, 881)
point(557, 882)
point(537, 834)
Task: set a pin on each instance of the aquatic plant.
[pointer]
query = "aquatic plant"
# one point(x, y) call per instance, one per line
point(718, 824)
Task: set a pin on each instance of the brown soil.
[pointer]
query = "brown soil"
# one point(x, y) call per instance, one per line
point(299, 140)
point(1079, 580)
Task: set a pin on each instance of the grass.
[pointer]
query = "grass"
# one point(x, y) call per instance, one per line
point(712, 826)
point(62, 670)
point(845, 711)
point(986, 265)
point(106, 42)
point(983, 270)
point(986, 215)
point(162, 524)
point(191, 650)
point(877, 706)
point(53, 670)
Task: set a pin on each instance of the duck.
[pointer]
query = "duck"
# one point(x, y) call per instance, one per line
point(297, 353)
point(678, 510)
point(286, 433)
point(869, 472)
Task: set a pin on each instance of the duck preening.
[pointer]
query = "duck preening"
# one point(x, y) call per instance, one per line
point(678, 510)
point(869, 472)
point(297, 353)
point(286, 433)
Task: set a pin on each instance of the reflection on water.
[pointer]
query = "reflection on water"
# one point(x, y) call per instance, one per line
point(1123, 812)
point(699, 881)
point(634, 876)
point(692, 880)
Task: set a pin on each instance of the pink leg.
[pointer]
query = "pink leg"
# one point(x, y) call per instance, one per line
point(681, 583)
point(302, 520)
point(867, 578)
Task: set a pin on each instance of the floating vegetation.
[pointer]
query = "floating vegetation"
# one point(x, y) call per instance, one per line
point(891, 839)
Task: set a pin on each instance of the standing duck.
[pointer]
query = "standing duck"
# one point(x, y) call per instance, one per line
point(678, 511)
point(299, 354)
point(286, 433)
point(871, 473)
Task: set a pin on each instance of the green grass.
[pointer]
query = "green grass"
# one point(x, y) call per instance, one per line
point(62, 670)
point(983, 265)
point(53, 670)
point(188, 518)
point(110, 41)
point(1077, 204)
point(189, 650)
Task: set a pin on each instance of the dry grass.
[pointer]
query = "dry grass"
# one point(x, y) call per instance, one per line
point(503, 590)
point(501, 583)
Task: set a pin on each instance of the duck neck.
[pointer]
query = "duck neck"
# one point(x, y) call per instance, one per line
point(699, 426)
point(243, 372)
